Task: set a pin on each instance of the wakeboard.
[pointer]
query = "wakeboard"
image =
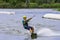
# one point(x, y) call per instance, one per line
point(33, 35)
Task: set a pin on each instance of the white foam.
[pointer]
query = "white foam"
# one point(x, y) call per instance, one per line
point(4, 12)
point(47, 32)
point(52, 16)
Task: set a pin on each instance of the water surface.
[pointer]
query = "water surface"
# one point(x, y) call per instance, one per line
point(11, 25)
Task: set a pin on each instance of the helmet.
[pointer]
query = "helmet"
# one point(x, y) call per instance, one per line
point(24, 16)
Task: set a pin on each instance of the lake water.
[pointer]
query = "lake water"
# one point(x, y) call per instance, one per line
point(11, 25)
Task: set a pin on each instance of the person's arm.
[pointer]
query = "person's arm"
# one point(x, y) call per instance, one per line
point(29, 19)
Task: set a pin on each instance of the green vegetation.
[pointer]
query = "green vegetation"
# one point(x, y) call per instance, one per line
point(29, 3)
point(58, 9)
point(34, 5)
point(55, 5)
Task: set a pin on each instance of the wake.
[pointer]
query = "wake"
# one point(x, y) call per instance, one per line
point(47, 32)
point(40, 32)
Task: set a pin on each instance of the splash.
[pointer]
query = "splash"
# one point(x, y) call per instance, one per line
point(47, 32)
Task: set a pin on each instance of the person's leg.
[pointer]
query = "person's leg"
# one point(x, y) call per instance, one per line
point(31, 29)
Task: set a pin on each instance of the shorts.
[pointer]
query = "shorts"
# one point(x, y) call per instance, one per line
point(29, 27)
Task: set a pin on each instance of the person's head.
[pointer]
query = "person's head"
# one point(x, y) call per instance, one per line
point(24, 17)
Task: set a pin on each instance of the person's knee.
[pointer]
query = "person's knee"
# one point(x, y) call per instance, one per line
point(32, 28)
